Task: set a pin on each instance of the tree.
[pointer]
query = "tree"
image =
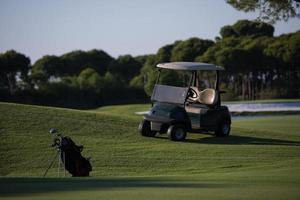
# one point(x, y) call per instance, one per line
point(99, 60)
point(89, 79)
point(285, 53)
point(69, 64)
point(247, 28)
point(189, 49)
point(13, 66)
point(125, 67)
point(46, 67)
point(141, 59)
point(75, 61)
point(164, 53)
point(137, 82)
point(244, 61)
point(228, 31)
point(269, 10)
point(151, 79)
point(148, 63)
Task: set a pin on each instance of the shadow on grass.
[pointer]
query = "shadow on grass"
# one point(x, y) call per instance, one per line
point(238, 140)
point(29, 186)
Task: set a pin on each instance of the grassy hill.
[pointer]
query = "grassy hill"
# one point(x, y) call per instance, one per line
point(261, 157)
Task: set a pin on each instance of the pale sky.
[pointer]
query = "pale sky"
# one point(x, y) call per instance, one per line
point(136, 27)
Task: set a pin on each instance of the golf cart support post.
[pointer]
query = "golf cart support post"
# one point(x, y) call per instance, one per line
point(177, 110)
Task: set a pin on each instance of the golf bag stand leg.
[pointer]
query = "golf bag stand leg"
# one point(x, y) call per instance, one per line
point(64, 163)
point(58, 169)
point(54, 158)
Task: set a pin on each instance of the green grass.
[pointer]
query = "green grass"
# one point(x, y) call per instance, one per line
point(128, 110)
point(145, 188)
point(131, 109)
point(260, 160)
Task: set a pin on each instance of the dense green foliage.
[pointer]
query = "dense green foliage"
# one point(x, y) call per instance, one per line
point(247, 28)
point(13, 64)
point(258, 66)
point(269, 10)
point(76, 79)
point(258, 160)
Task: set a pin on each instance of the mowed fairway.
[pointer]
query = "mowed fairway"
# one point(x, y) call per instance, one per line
point(260, 160)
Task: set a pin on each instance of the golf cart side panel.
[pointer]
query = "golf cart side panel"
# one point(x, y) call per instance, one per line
point(207, 118)
point(194, 113)
point(162, 115)
point(211, 118)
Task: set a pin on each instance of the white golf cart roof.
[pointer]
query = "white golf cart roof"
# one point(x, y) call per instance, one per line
point(193, 66)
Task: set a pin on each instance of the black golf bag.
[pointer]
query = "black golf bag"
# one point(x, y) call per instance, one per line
point(70, 155)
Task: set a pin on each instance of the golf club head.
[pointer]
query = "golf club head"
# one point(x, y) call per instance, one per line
point(53, 131)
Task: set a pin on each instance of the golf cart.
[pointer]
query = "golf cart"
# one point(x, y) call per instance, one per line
point(178, 110)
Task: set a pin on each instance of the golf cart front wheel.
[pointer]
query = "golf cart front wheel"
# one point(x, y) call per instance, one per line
point(145, 129)
point(177, 132)
point(223, 129)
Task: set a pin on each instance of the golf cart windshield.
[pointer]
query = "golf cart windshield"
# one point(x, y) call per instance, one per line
point(169, 94)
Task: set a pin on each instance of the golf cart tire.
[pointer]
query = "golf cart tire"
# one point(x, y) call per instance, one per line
point(223, 129)
point(145, 129)
point(177, 132)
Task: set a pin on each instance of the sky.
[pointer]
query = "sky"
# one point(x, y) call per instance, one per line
point(137, 27)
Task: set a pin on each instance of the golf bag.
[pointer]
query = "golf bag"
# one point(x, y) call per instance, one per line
point(70, 155)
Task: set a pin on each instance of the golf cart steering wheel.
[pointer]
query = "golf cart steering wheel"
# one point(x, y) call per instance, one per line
point(192, 94)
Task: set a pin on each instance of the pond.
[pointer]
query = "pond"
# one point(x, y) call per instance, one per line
point(258, 107)
point(261, 107)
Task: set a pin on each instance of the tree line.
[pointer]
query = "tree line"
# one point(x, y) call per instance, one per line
point(258, 66)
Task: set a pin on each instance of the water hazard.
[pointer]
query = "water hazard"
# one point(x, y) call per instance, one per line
point(261, 107)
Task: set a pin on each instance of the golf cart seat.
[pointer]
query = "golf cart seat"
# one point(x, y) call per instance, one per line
point(208, 97)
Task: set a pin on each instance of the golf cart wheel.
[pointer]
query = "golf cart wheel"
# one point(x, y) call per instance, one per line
point(145, 129)
point(177, 132)
point(223, 129)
